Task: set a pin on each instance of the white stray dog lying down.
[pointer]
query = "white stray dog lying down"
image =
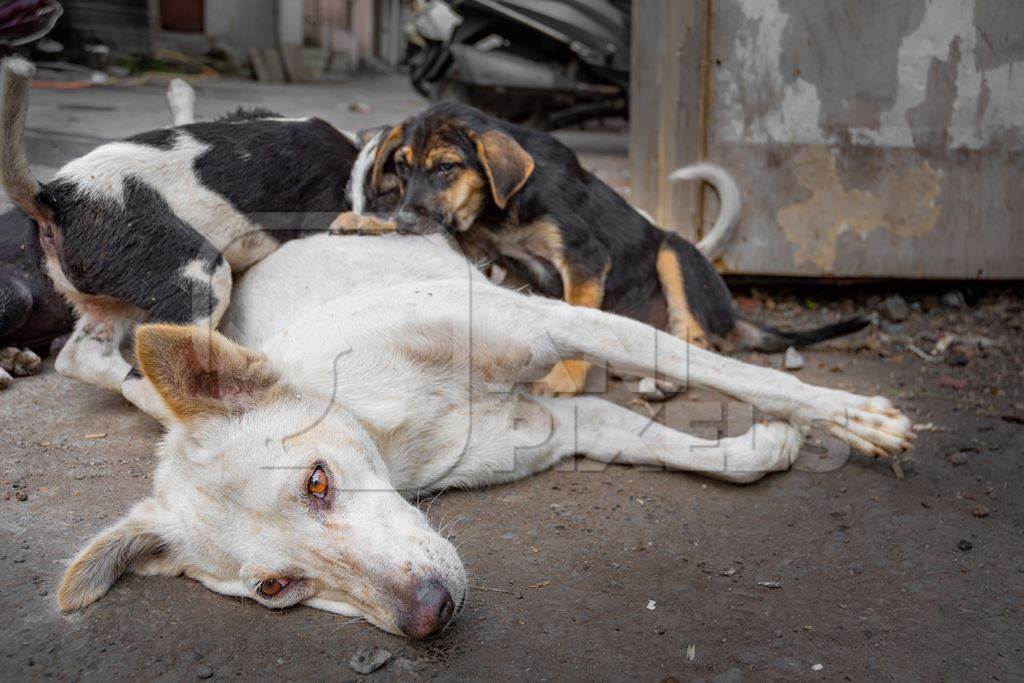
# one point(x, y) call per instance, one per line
point(369, 368)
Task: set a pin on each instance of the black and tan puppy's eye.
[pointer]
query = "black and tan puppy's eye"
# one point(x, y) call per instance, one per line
point(401, 168)
point(271, 587)
point(318, 484)
point(445, 167)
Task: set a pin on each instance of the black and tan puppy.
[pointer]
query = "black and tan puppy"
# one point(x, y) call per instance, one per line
point(519, 198)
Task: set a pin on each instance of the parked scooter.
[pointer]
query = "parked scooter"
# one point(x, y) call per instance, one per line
point(547, 64)
point(25, 21)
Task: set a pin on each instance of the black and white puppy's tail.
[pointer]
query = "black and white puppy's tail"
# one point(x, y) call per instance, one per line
point(713, 244)
point(15, 176)
point(181, 100)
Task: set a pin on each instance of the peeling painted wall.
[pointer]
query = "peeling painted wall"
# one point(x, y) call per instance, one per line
point(871, 137)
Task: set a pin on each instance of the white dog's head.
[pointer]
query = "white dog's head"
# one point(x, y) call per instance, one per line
point(265, 493)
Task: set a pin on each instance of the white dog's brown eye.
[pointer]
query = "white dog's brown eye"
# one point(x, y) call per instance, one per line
point(272, 587)
point(317, 484)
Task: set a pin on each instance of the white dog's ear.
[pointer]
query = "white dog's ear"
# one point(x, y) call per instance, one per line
point(200, 372)
point(133, 544)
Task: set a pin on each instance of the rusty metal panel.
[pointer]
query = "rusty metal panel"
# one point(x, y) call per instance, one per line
point(872, 138)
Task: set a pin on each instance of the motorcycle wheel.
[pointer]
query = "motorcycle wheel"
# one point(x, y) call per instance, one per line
point(422, 65)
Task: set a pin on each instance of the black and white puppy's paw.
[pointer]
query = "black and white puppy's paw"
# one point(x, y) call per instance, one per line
point(19, 362)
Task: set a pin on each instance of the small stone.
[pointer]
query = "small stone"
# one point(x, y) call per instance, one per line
point(368, 659)
point(769, 584)
point(894, 308)
point(817, 667)
point(411, 668)
point(651, 605)
point(732, 675)
point(956, 459)
point(952, 383)
point(654, 391)
point(953, 300)
point(204, 672)
point(957, 359)
point(21, 495)
point(964, 545)
point(787, 664)
point(793, 360)
point(979, 511)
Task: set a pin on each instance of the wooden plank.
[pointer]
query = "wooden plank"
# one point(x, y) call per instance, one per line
point(665, 108)
point(293, 58)
point(643, 128)
point(266, 63)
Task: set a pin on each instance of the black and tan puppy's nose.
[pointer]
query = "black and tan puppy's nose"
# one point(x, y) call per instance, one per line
point(428, 609)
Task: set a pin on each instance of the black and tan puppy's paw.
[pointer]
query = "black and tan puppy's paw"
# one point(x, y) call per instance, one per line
point(351, 222)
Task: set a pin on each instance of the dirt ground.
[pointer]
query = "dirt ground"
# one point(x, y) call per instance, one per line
point(868, 576)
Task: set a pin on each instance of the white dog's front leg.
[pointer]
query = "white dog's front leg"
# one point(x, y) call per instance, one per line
point(870, 424)
point(606, 432)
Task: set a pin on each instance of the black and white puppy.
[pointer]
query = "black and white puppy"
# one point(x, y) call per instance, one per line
point(153, 227)
point(34, 319)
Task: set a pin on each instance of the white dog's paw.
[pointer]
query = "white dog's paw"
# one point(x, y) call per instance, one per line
point(869, 424)
point(19, 362)
point(772, 447)
point(5, 379)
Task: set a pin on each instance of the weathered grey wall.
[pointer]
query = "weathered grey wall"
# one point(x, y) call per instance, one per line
point(235, 26)
point(871, 137)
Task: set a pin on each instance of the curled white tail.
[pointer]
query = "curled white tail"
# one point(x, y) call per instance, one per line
point(181, 98)
point(713, 244)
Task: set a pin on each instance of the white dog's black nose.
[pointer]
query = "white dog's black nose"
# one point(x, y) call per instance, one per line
point(428, 609)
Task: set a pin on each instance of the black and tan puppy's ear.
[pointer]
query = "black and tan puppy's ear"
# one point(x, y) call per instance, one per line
point(508, 166)
point(386, 148)
point(364, 135)
point(199, 372)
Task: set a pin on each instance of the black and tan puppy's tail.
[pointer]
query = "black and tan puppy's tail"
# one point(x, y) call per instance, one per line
point(756, 336)
point(713, 244)
point(700, 306)
point(15, 177)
